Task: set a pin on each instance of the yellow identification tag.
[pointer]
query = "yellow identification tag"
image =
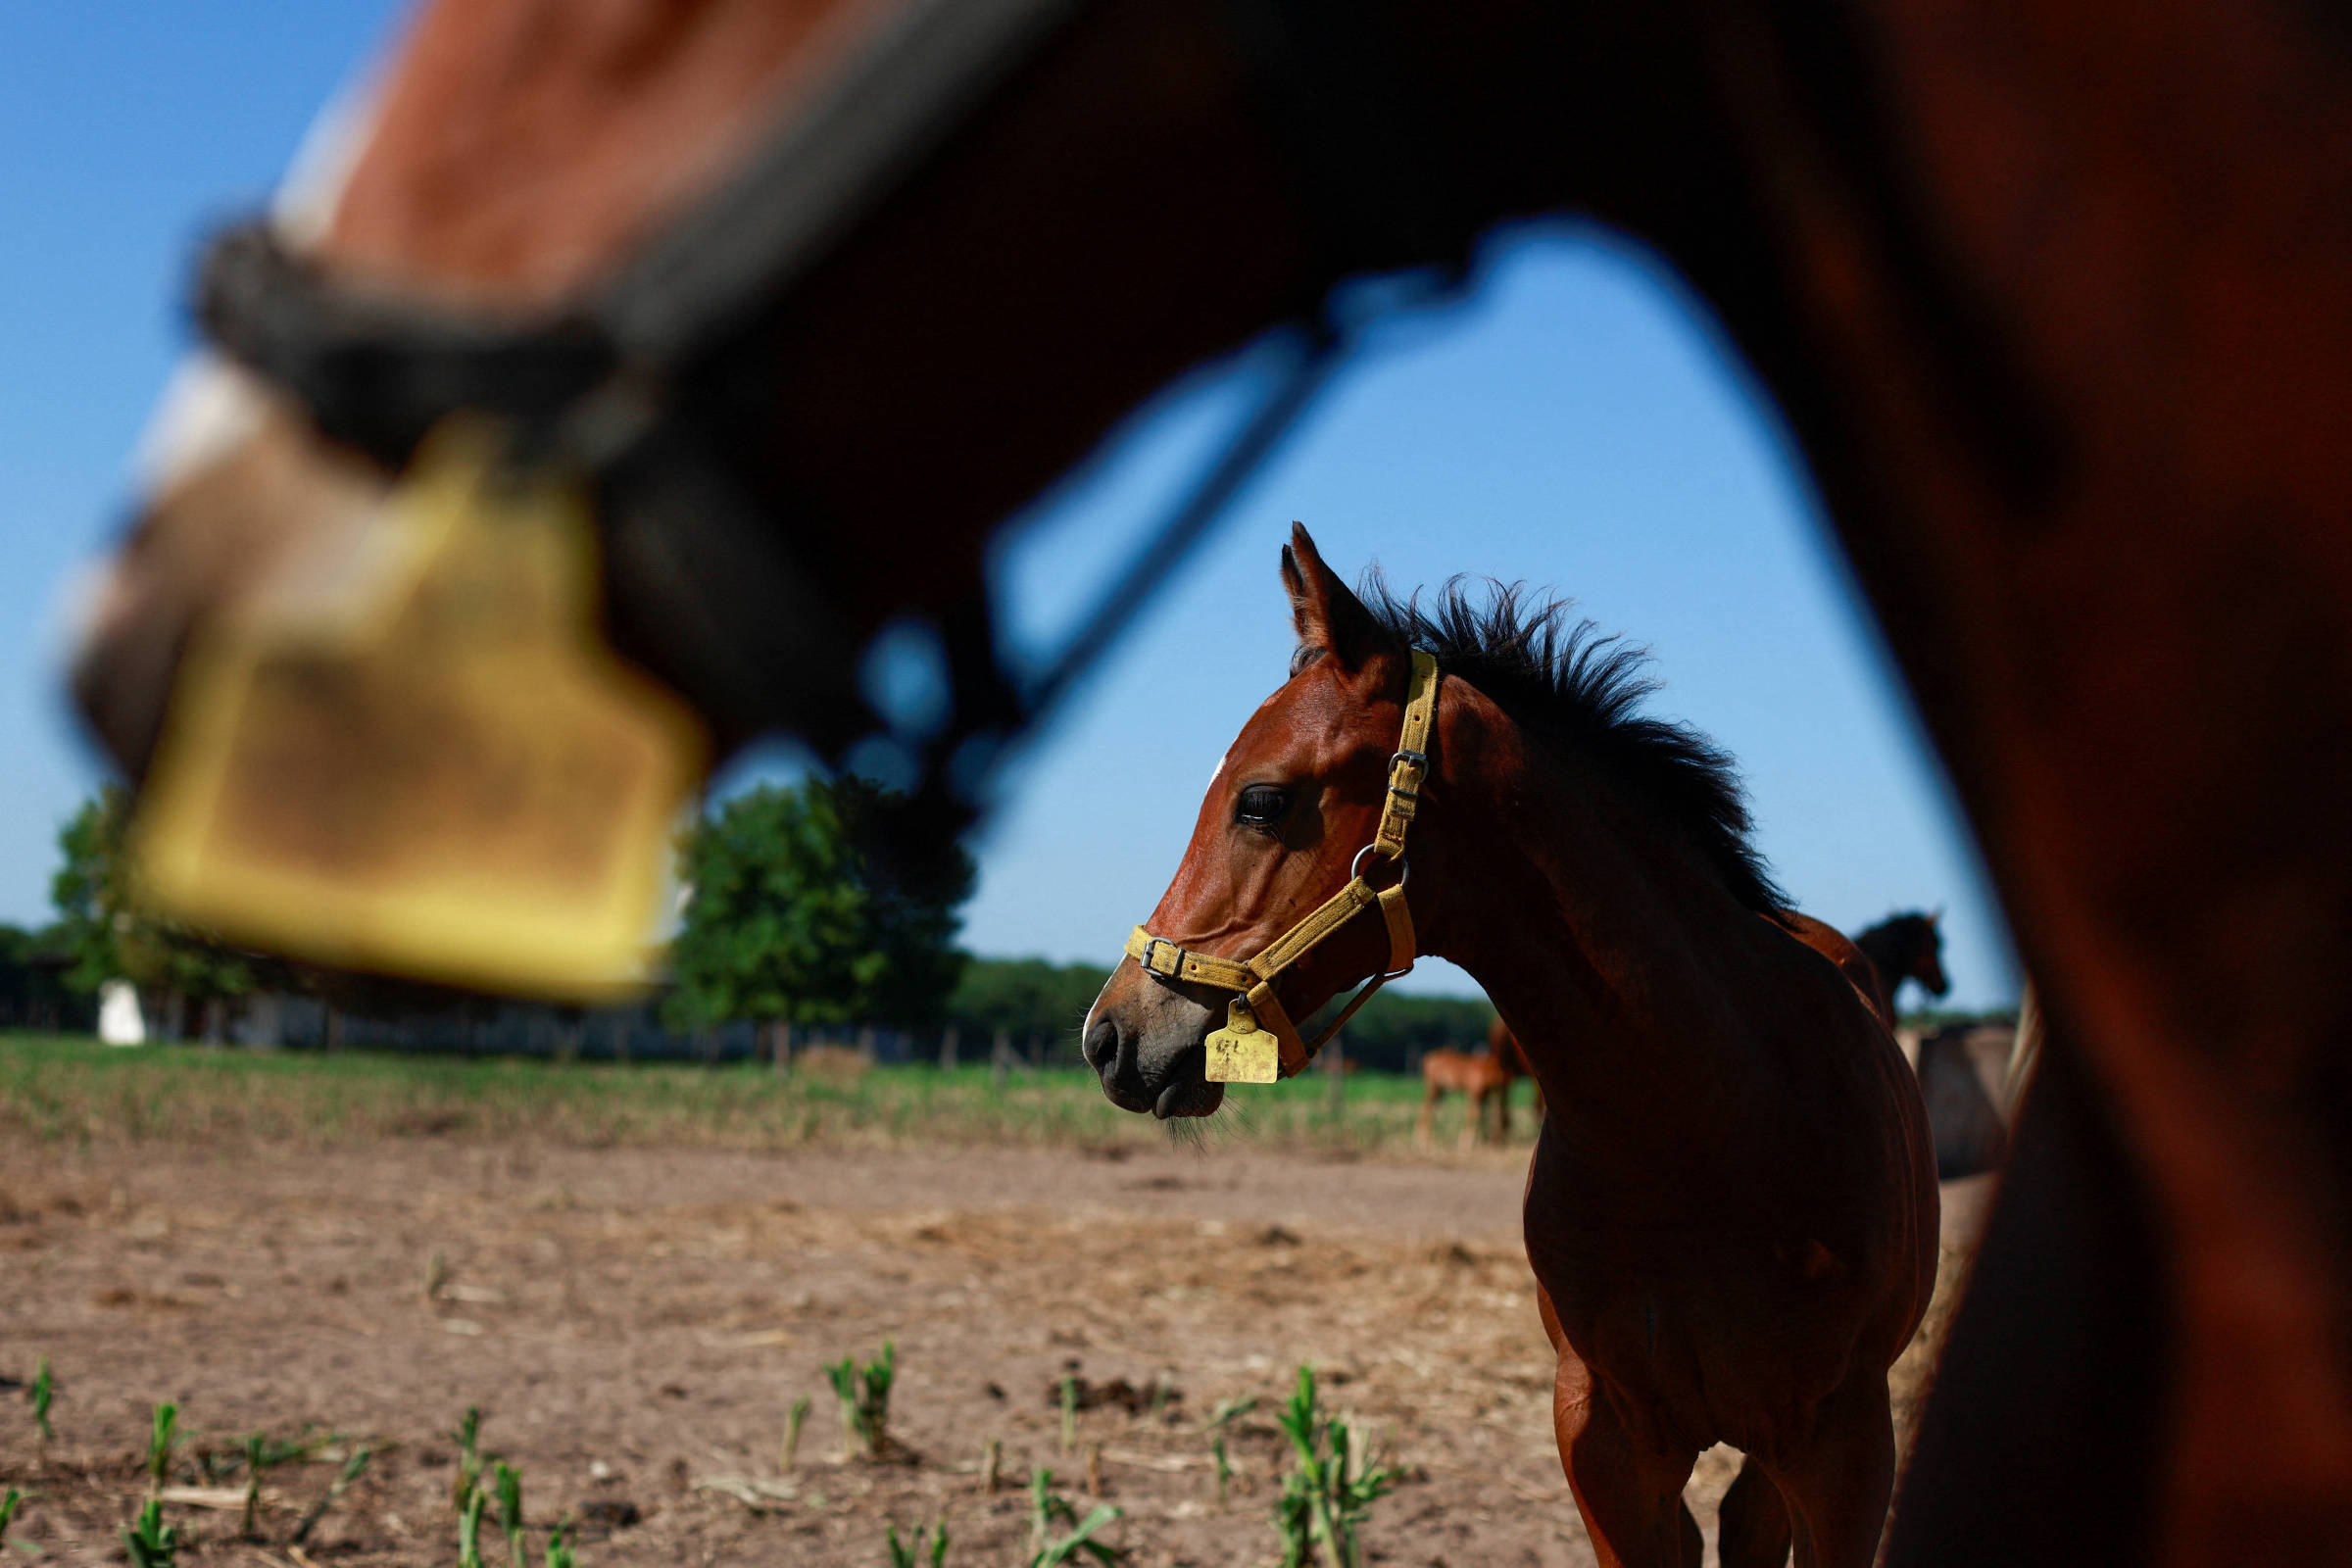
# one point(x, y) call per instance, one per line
point(427, 763)
point(1242, 1052)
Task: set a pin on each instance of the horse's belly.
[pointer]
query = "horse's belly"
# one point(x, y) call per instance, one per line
point(1725, 1332)
point(1728, 1359)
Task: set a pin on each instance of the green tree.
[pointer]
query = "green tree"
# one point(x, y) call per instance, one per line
point(32, 988)
point(805, 907)
point(1025, 997)
point(108, 929)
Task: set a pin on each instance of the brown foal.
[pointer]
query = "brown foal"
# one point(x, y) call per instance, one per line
point(1482, 1078)
point(1732, 1209)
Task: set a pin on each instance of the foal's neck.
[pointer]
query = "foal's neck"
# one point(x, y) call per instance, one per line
point(1610, 946)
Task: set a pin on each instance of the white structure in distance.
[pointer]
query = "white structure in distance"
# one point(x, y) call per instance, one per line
point(119, 1021)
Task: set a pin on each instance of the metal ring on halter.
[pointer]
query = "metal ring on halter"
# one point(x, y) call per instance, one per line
point(1355, 867)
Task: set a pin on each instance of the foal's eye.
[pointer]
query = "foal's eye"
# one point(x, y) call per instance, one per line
point(1261, 806)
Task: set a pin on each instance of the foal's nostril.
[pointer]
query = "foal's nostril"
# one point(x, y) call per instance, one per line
point(1101, 1045)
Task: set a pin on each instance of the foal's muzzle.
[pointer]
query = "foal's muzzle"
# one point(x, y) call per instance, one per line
point(1143, 1041)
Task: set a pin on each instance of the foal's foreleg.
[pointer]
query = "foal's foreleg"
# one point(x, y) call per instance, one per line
point(1426, 1132)
point(1751, 1528)
point(1628, 1486)
point(1837, 1487)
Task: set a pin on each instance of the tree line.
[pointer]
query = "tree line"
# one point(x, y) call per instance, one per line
point(801, 912)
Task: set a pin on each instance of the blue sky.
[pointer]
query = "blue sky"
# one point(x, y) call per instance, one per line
point(1576, 424)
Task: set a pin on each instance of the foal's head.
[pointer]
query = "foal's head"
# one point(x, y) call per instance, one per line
point(1296, 797)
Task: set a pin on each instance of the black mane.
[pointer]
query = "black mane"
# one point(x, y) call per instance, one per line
point(1563, 678)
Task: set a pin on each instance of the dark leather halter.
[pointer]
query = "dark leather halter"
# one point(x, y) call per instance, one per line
point(617, 388)
point(591, 381)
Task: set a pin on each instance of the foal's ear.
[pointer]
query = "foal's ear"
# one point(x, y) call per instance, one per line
point(1329, 616)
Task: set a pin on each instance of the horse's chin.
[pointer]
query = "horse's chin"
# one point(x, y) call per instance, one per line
point(1193, 1097)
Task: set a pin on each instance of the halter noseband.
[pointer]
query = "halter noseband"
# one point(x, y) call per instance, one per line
point(1259, 1043)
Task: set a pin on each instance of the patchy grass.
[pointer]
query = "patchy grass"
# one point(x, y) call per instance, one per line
point(70, 1090)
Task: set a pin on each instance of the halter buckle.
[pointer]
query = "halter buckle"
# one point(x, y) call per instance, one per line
point(1355, 867)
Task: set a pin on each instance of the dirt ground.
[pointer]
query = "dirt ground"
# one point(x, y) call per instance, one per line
point(633, 1325)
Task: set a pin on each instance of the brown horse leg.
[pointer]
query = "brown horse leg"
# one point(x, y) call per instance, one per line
point(1426, 1132)
point(1838, 1485)
point(1629, 1490)
point(1751, 1528)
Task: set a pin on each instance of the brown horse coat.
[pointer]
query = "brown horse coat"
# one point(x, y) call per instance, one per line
point(1732, 1209)
point(2051, 298)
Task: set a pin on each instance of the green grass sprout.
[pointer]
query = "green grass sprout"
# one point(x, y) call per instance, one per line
point(864, 1396)
point(1326, 1497)
point(919, 1553)
point(1050, 1513)
point(43, 1390)
point(510, 1514)
point(467, 1435)
point(469, 1529)
point(257, 1463)
point(160, 1439)
point(1229, 1411)
point(148, 1540)
point(353, 1468)
point(793, 1417)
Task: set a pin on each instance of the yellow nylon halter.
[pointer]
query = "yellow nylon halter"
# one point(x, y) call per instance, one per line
point(1258, 1008)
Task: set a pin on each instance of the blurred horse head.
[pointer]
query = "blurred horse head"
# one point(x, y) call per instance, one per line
point(494, 230)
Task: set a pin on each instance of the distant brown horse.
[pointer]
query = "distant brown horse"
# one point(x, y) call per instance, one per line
point(1907, 947)
point(1483, 1077)
point(1732, 1210)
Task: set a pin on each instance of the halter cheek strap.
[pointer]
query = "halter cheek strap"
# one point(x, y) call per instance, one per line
point(1257, 1007)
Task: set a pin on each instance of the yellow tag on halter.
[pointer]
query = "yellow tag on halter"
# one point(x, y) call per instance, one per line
point(423, 759)
point(1242, 1052)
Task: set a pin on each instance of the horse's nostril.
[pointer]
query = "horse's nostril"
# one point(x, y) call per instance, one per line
point(1101, 1045)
